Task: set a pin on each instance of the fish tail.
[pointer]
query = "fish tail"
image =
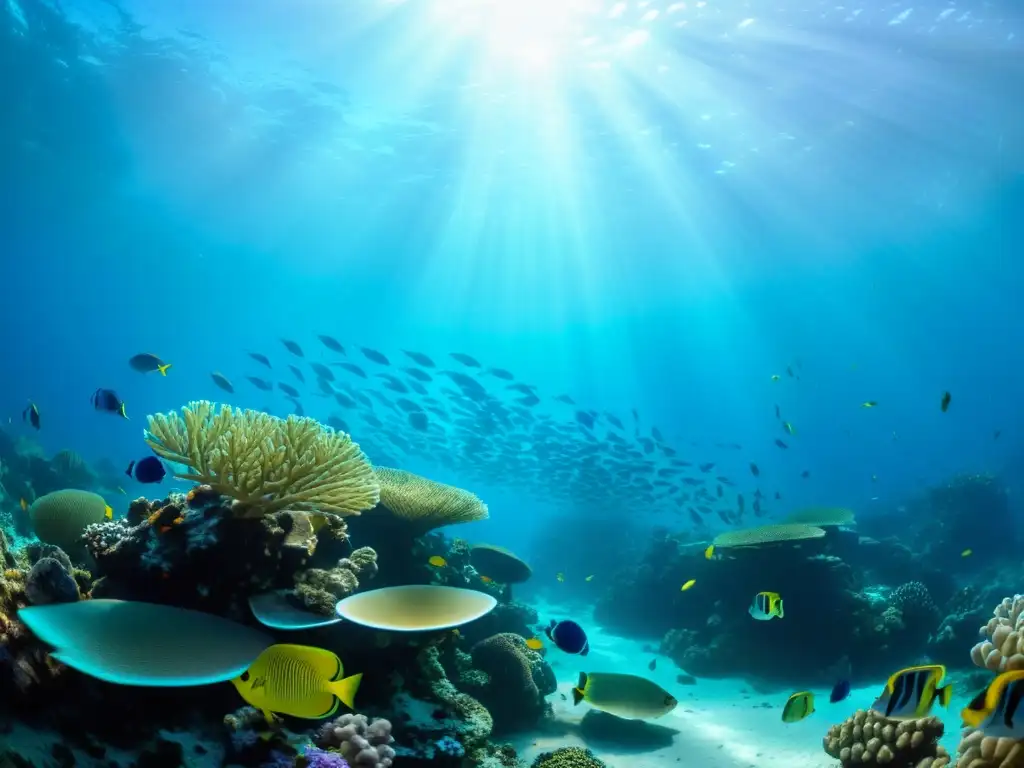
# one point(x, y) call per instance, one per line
point(346, 689)
point(579, 692)
point(781, 613)
point(164, 368)
point(944, 694)
point(131, 466)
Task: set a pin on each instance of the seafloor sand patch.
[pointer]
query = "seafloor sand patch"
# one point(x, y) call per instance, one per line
point(718, 723)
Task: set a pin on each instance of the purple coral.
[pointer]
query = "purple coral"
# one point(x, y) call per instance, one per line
point(319, 758)
point(362, 743)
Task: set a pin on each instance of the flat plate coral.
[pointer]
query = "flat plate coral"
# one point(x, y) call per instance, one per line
point(416, 607)
point(279, 610)
point(132, 643)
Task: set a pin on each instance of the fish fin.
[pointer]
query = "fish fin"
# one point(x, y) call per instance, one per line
point(123, 413)
point(346, 689)
point(131, 466)
point(163, 368)
point(944, 694)
point(577, 696)
point(270, 716)
point(781, 613)
point(973, 717)
point(108, 512)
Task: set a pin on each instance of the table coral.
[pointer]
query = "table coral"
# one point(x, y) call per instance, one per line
point(868, 738)
point(1003, 648)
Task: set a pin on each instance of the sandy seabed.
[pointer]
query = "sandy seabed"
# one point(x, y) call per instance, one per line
point(718, 724)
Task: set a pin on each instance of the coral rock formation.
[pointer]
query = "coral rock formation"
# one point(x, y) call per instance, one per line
point(868, 738)
point(362, 743)
point(1004, 647)
point(977, 750)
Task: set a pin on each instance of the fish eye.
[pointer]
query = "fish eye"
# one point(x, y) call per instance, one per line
point(245, 676)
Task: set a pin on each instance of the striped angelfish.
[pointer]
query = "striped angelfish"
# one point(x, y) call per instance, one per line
point(994, 710)
point(911, 692)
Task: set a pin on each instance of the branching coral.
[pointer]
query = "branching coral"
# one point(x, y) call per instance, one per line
point(424, 504)
point(868, 738)
point(265, 463)
point(1003, 648)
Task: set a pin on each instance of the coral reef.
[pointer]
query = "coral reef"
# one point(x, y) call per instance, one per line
point(838, 603)
point(363, 744)
point(568, 757)
point(515, 683)
point(266, 464)
point(195, 552)
point(1003, 647)
point(868, 738)
point(423, 504)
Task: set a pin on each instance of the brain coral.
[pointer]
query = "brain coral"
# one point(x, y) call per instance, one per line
point(1003, 648)
point(60, 518)
point(868, 738)
point(568, 757)
point(519, 680)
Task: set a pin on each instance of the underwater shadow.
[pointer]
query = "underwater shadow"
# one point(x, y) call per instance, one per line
point(601, 730)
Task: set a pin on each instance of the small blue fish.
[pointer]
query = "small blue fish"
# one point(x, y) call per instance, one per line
point(568, 636)
point(107, 401)
point(839, 691)
point(147, 470)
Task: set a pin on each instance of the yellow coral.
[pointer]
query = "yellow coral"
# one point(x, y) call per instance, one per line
point(425, 504)
point(265, 463)
point(767, 534)
point(868, 738)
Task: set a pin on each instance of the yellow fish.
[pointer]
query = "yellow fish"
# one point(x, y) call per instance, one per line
point(869, 404)
point(967, 553)
point(534, 644)
point(24, 505)
point(798, 706)
point(297, 680)
point(486, 579)
point(709, 552)
point(560, 576)
point(437, 561)
point(688, 584)
point(108, 512)
point(994, 710)
point(589, 578)
point(766, 606)
point(910, 693)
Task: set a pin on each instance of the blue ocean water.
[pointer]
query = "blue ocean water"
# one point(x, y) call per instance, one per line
point(650, 206)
